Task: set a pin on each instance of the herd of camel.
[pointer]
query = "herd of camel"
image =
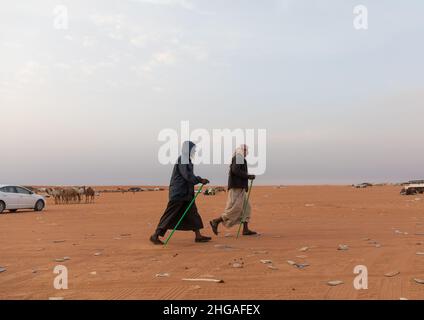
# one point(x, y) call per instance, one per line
point(72, 194)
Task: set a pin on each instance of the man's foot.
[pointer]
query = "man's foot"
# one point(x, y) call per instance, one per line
point(155, 240)
point(249, 233)
point(203, 239)
point(214, 225)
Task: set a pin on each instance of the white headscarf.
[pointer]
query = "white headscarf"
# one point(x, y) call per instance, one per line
point(240, 150)
point(239, 154)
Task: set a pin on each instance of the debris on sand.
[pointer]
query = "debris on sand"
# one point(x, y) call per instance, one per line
point(2, 269)
point(304, 249)
point(302, 256)
point(204, 280)
point(302, 265)
point(98, 254)
point(162, 275)
point(419, 253)
point(237, 263)
point(59, 241)
point(266, 261)
point(223, 246)
point(402, 298)
point(260, 252)
point(56, 298)
point(343, 247)
point(125, 234)
point(391, 274)
point(196, 287)
point(298, 265)
point(309, 205)
point(334, 283)
point(375, 243)
point(62, 259)
point(272, 267)
point(93, 273)
point(419, 281)
point(400, 232)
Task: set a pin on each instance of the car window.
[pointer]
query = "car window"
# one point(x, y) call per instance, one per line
point(3, 189)
point(23, 191)
point(10, 189)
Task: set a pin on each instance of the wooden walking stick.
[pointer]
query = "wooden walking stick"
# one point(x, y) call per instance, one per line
point(184, 214)
point(245, 207)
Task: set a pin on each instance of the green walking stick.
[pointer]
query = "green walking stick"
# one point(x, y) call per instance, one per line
point(184, 214)
point(244, 208)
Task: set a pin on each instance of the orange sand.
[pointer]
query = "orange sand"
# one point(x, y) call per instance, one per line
point(118, 225)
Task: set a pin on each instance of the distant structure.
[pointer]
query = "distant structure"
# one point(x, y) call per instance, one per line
point(413, 187)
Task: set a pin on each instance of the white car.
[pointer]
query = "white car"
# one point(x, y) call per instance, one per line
point(13, 198)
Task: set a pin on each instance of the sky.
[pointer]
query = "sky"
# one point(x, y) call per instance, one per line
point(85, 104)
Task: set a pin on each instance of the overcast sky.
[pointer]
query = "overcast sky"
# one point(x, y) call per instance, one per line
point(85, 105)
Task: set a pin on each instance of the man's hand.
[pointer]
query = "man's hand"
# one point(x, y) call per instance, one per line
point(251, 177)
point(204, 181)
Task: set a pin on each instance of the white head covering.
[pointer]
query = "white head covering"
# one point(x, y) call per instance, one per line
point(239, 153)
point(240, 150)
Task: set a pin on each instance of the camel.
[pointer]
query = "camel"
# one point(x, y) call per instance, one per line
point(56, 193)
point(71, 194)
point(89, 194)
point(79, 193)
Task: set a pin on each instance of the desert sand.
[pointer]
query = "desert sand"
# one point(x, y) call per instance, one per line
point(111, 257)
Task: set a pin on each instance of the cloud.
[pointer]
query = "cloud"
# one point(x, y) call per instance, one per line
point(119, 27)
point(196, 52)
point(164, 58)
point(31, 71)
point(283, 5)
point(185, 4)
point(139, 40)
point(158, 59)
point(107, 19)
point(63, 66)
point(88, 42)
point(114, 24)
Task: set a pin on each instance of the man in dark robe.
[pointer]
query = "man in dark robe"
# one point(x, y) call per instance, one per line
point(181, 193)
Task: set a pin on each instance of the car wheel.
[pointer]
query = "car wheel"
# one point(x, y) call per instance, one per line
point(2, 206)
point(39, 206)
point(13, 210)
